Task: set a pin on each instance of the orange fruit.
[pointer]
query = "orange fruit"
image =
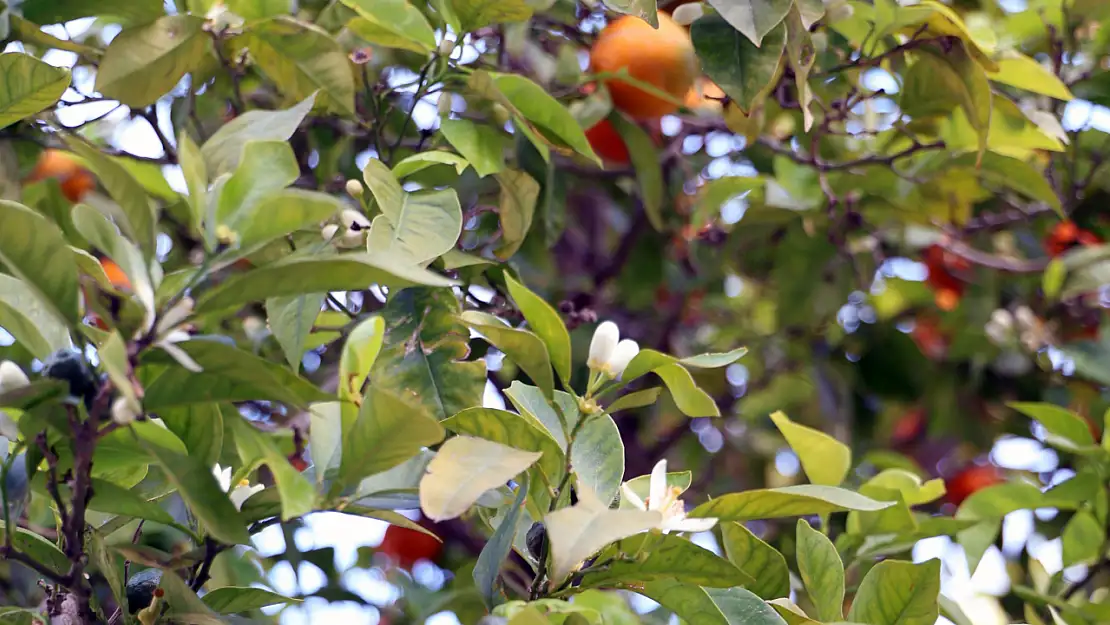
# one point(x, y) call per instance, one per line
point(1066, 235)
point(607, 142)
point(970, 480)
point(405, 547)
point(663, 58)
point(74, 179)
point(115, 274)
point(704, 95)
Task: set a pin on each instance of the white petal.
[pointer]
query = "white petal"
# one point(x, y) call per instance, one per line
point(602, 345)
point(625, 351)
point(242, 493)
point(658, 493)
point(125, 410)
point(11, 376)
point(632, 497)
point(174, 316)
point(223, 477)
point(329, 231)
point(688, 525)
point(9, 429)
point(182, 358)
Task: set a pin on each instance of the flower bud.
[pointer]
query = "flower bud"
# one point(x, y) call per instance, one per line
point(125, 410)
point(354, 220)
point(444, 104)
point(354, 188)
point(625, 351)
point(446, 47)
point(688, 13)
point(605, 340)
point(11, 376)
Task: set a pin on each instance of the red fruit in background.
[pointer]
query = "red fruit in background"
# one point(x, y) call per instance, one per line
point(944, 269)
point(930, 338)
point(75, 180)
point(406, 547)
point(908, 428)
point(1066, 235)
point(970, 480)
point(607, 142)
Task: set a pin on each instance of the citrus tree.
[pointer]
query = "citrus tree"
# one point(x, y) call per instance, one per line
point(537, 283)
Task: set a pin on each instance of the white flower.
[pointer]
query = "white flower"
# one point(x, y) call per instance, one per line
point(125, 410)
point(609, 354)
point(242, 491)
point(665, 500)
point(9, 429)
point(11, 377)
point(352, 229)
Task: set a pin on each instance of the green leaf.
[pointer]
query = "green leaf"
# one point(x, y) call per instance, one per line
point(715, 193)
point(398, 17)
point(482, 146)
point(1083, 538)
point(521, 346)
point(233, 599)
point(278, 214)
point(207, 502)
point(463, 469)
point(200, 427)
point(1053, 279)
point(645, 160)
point(711, 606)
point(138, 222)
point(519, 193)
point(27, 317)
point(29, 247)
point(379, 35)
point(222, 150)
point(184, 604)
point(754, 18)
point(108, 563)
point(229, 374)
point(1059, 422)
point(299, 275)
point(265, 167)
point(112, 499)
point(145, 62)
point(298, 495)
point(546, 323)
point(577, 532)
point(29, 86)
point(423, 160)
point(475, 14)
point(388, 432)
point(898, 593)
point(103, 235)
point(361, 350)
point(690, 399)
point(530, 401)
point(196, 178)
point(787, 501)
point(302, 60)
point(421, 359)
point(743, 71)
point(825, 460)
point(759, 560)
point(597, 456)
point(497, 549)
point(518, 431)
point(326, 442)
point(425, 226)
point(945, 81)
point(666, 556)
point(822, 572)
point(639, 399)
point(1017, 70)
point(291, 320)
point(538, 107)
point(38, 548)
point(58, 11)
point(1012, 173)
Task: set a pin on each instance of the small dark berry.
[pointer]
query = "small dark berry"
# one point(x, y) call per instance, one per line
point(70, 366)
point(537, 537)
point(141, 588)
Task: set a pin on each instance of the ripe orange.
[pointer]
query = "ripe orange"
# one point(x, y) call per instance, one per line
point(607, 142)
point(115, 274)
point(1066, 235)
point(943, 277)
point(75, 180)
point(970, 480)
point(705, 95)
point(405, 547)
point(663, 58)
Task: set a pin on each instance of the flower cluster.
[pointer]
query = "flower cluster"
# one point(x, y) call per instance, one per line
point(608, 354)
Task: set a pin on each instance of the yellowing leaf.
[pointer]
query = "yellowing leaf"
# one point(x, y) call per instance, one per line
point(824, 459)
point(577, 532)
point(463, 469)
point(1017, 70)
point(29, 86)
